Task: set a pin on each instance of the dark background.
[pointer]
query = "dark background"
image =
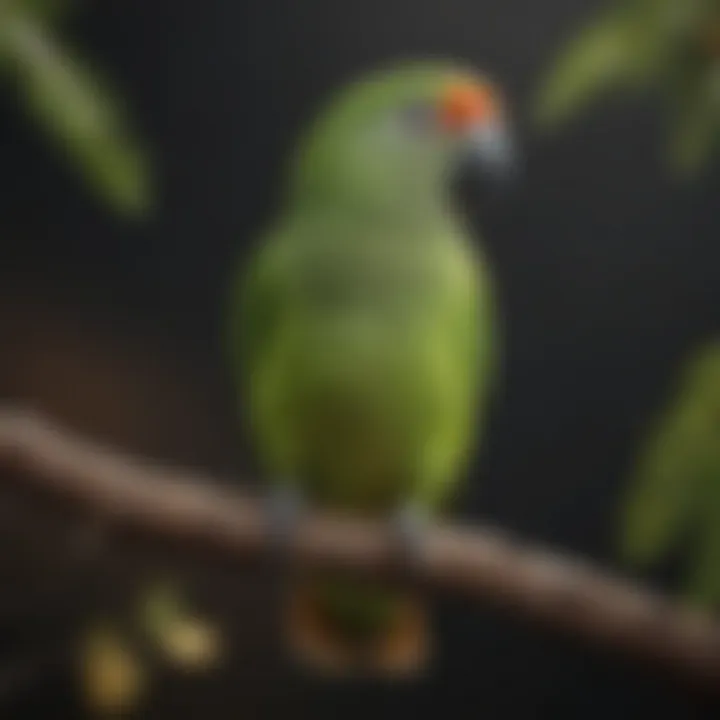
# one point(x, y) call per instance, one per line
point(606, 269)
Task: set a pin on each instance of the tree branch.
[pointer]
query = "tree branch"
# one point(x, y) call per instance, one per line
point(176, 506)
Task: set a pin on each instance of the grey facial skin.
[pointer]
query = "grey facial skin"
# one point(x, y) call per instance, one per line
point(490, 149)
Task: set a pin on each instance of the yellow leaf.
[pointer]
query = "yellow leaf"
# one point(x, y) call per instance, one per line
point(191, 644)
point(112, 677)
point(186, 640)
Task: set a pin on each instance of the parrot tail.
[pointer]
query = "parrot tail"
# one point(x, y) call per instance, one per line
point(344, 628)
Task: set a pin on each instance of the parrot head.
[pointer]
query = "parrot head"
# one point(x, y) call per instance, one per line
point(400, 134)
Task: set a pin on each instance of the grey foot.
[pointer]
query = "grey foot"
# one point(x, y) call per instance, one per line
point(285, 507)
point(410, 525)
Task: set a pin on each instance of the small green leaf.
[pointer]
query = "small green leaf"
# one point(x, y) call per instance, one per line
point(79, 111)
point(703, 582)
point(696, 122)
point(656, 506)
point(598, 59)
point(50, 10)
point(681, 452)
point(160, 606)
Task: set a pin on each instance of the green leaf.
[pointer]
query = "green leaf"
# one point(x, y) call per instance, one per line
point(703, 581)
point(695, 128)
point(49, 10)
point(79, 111)
point(160, 606)
point(665, 491)
point(655, 508)
point(596, 60)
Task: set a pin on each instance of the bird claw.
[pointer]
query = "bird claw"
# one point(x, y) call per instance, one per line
point(285, 508)
point(410, 524)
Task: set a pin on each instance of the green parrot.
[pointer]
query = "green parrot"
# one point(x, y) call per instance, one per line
point(363, 334)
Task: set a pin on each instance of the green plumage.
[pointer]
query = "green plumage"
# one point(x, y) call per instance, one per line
point(362, 329)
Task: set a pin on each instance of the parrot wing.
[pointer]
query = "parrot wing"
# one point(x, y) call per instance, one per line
point(256, 303)
point(260, 303)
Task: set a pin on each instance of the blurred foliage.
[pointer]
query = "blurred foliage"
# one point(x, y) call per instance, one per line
point(113, 677)
point(118, 657)
point(674, 494)
point(667, 48)
point(72, 103)
point(185, 640)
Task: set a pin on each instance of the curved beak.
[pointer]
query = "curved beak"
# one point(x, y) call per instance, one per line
point(492, 151)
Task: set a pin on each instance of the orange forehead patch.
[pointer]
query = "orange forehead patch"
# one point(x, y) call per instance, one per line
point(465, 103)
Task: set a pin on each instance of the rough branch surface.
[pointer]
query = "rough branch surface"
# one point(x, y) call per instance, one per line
point(173, 505)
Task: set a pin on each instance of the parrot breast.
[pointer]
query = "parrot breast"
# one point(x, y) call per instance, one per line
point(366, 370)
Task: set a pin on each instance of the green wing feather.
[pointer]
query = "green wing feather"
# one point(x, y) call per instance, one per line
point(253, 306)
